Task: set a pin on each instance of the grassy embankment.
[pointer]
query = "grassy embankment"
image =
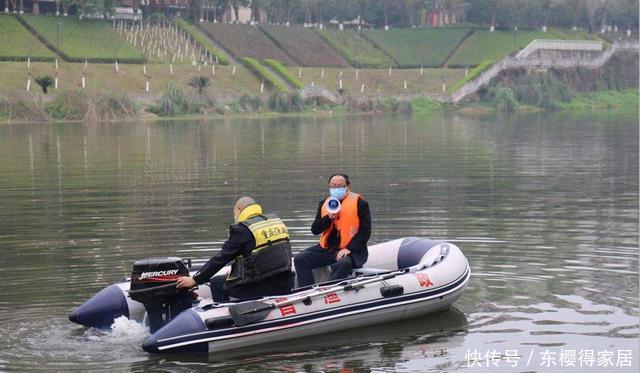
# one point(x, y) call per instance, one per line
point(626, 99)
point(203, 40)
point(378, 82)
point(484, 45)
point(80, 40)
point(414, 48)
point(305, 46)
point(356, 49)
point(18, 44)
point(245, 41)
point(130, 79)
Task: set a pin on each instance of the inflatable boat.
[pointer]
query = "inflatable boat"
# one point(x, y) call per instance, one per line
point(402, 279)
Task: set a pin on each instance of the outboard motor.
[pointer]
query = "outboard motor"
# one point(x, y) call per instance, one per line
point(153, 283)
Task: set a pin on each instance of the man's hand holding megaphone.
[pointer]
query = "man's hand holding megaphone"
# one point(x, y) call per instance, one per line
point(333, 207)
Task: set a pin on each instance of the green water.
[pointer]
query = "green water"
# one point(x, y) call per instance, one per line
point(545, 207)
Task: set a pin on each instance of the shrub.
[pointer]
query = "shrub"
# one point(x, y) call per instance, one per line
point(263, 73)
point(199, 82)
point(44, 82)
point(285, 103)
point(542, 90)
point(21, 107)
point(91, 106)
point(503, 100)
point(157, 17)
point(173, 102)
point(284, 73)
point(250, 103)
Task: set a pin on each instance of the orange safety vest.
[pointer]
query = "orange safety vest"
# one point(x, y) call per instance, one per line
point(347, 222)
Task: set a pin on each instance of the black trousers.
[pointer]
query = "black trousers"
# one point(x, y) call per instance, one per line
point(315, 257)
point(280, 284)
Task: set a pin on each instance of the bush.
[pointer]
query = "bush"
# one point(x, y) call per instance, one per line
point(503, 100)
point(91, 106)
point(286, 74)
point(199, 82)
point(202, 40)
point(44, 82)
point(542, 90)
point(157, 18)
point(285, 103)
point(22, 107)
point(250, 103)
point(174, 102)
point(398, 106)
point(263, 73)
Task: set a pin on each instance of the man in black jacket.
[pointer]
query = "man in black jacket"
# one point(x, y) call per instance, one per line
point(344, 234)
point(255, 238)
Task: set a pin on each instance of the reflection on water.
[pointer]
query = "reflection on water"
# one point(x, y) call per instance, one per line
point(544, 206)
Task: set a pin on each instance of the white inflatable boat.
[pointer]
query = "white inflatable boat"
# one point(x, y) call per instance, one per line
point(402, 279)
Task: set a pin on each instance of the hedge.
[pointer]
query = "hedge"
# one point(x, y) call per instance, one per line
point(255, 67)
point(284, 73)
point(202, 40)
point(474, 73)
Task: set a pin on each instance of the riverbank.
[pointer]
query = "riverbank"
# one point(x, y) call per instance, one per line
point(124, 109)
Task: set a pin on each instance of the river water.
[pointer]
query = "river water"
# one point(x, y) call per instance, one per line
point(545, 207)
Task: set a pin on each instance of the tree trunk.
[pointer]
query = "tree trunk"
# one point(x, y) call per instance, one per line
point(236, 9)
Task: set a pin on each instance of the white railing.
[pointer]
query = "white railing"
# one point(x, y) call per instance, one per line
point(567, 45)
point(544, 62)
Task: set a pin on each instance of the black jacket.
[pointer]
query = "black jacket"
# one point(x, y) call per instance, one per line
point(241, 241)
point(358, 244)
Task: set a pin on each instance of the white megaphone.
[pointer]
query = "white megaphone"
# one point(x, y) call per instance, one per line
point(333, 205)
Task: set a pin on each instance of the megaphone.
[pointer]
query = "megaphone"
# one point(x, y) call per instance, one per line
point(333, 205)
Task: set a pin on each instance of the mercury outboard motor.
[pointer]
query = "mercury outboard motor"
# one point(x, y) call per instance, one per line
point(153, 283)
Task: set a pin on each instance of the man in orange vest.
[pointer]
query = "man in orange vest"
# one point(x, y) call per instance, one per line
point(343, 243)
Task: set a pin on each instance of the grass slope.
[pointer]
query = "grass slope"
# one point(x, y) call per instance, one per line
point(93, 40)
point(305, 46)
point(379, 82)
point(418, 47)
point(130, 79)
point(623, 99)
point(245, 41)
point(203, 40)
point(17, 43)
point(356, 49)
point(484, 45)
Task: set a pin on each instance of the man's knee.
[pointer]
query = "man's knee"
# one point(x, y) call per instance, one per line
point(343, 265)
point(300, 260)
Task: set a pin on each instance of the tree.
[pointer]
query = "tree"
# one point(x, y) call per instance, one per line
point(199, 82)
point(44, 82)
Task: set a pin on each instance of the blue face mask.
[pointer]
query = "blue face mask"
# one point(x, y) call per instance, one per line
point(338, 193)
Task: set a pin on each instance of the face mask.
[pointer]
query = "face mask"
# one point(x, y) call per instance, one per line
point(338, 193)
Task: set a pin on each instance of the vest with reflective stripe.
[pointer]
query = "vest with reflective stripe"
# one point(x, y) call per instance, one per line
point(347, 222)
point(270, 256)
